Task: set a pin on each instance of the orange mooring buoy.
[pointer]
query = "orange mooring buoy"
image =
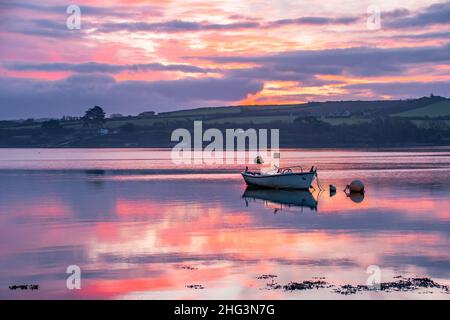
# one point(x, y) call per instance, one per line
point(356, 186)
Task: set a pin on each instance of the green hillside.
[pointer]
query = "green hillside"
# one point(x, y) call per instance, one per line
point(332, 112)
point(412, 122)
point(435, 110)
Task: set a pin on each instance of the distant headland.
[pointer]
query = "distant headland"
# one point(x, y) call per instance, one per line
point(423, 121)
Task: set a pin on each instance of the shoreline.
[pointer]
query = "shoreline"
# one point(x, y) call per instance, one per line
point(285, 147)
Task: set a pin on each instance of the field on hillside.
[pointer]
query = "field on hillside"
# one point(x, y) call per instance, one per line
point(439, 109)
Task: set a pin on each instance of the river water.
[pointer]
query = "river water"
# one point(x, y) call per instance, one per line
point(139, 226)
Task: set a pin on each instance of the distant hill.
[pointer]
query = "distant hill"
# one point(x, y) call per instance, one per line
point(421, 121)
point(329, 109)
point(432, 107)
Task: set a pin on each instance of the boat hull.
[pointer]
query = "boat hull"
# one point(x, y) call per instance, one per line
point(301, 180)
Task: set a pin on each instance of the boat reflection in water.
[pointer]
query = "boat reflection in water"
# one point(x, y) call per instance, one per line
point(281, 199)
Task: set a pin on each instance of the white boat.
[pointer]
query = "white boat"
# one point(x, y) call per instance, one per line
point(282, 178)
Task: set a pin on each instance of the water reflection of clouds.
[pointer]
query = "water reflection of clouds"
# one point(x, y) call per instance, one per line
point(130, 236)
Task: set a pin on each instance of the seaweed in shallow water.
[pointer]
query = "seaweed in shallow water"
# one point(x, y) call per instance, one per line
point(305, 285)
point(403, 284)
point(188, 267)
point(195, 286)
point(266, 276)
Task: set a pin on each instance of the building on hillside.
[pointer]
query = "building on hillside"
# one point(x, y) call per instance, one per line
point(147, 114)
point(116, 115)
point(103, 131)
point(70, 118)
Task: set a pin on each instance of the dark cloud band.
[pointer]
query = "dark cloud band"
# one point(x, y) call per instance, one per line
point(22, 98)
point(94, 67)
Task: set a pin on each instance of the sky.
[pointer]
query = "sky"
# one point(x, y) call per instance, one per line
point(130, 56)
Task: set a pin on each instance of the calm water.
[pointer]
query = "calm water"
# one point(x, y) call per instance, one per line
point(140, 227)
